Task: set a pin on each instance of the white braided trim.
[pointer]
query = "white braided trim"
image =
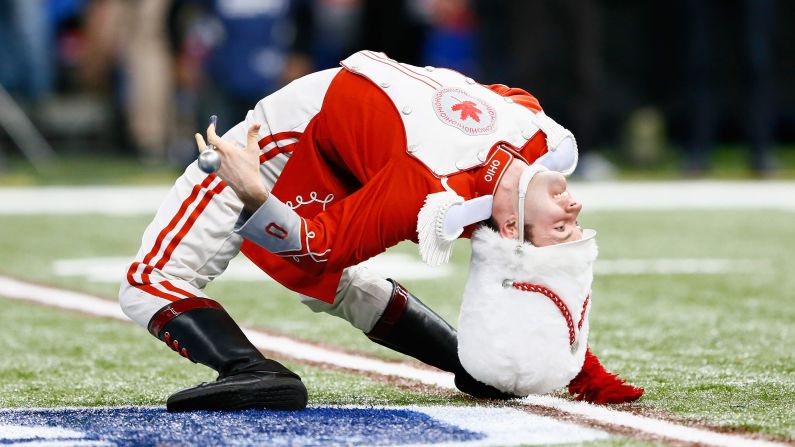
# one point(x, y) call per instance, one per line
point(435, 244)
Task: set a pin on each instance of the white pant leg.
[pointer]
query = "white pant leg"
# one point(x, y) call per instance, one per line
point(360, 300)
point(190, 241)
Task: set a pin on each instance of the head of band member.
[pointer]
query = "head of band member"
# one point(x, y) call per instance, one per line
point(527, 293)
point(527, 204)
point(534, 204)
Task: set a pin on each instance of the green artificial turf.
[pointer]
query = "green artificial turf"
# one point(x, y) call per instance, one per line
point(713, 348)
point(69, 168)
point(59, 359)
point(108, 166)
point(53, 358)
point(706, 347)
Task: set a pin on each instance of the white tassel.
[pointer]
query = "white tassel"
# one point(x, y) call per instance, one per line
point(436, 245)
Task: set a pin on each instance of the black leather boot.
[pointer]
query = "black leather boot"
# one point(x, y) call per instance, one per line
point(201, 330)
point(408, 326)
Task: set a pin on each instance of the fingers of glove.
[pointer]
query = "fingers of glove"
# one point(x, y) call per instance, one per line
point(200, 142)
point(618, 395)
point(215, 140)
point(634, 393)
point(252, 138)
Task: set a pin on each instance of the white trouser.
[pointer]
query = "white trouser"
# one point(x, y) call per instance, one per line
point(192, 239)
point(204, 252)
point(361, 298)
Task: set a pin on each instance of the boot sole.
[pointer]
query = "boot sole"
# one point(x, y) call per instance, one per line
point(242, 392)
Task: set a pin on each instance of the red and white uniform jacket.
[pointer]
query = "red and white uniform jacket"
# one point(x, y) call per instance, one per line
point(350, 155)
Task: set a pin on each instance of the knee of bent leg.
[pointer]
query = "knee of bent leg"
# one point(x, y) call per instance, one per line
point(361, 298)
point(127, 298)
point(138, 305)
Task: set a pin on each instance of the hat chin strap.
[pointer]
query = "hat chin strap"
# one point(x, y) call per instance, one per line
point(524, 181)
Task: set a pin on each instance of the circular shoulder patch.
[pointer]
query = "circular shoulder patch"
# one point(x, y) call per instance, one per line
point(473, 116)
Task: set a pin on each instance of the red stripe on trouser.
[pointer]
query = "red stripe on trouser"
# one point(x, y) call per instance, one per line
point(145, 280)
point(274, 152)
point(166, 284)
point(177, 217)
point(175, 289)
point(278, 136)
point(148, 288)
point(159, 240)
point(189, 224)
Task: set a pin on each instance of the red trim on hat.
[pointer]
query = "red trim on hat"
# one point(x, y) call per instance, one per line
point(558, 301)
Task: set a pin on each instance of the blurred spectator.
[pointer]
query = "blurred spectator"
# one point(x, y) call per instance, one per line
point(395, 27)
point(703, 71)
point(131, 35)
point(756, 45)
point(553, 49)
point(419, 32)
point(328, 31)
point(253, 37)
point(148, 69)
point(210, 36)
point(26, 62)
point(450, 40)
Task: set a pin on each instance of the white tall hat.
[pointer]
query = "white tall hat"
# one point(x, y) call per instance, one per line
point(523, 327)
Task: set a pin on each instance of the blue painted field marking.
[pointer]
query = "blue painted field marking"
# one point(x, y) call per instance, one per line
point(133, 426)
point(335, 425)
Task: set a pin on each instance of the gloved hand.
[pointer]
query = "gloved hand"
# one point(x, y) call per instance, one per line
point(240, 166)
point(594, 384)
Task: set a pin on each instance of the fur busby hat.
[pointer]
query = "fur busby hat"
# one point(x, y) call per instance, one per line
point(523, 327)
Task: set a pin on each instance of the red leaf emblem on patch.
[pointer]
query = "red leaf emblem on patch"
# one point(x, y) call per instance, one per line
point(468, 110)
point(455, 107)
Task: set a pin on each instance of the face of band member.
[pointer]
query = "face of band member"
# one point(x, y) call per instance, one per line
point(551, 211)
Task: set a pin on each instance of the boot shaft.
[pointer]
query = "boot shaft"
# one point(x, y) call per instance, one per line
point(201, 330)
point(410, 327)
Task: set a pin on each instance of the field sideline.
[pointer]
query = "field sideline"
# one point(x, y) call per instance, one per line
point(699, 341)
point(597, 196)
point(286, 348)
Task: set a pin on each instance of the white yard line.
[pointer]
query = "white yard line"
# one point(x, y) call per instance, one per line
point(668, 195)
point(690, 194)
point(678, 266)
point(508, 427)
point(92, 305)
point(110, 269)
point(645, 424)
point(113, 200)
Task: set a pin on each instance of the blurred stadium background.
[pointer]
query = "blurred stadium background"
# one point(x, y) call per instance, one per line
point(650, 89)
point(673, 103)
